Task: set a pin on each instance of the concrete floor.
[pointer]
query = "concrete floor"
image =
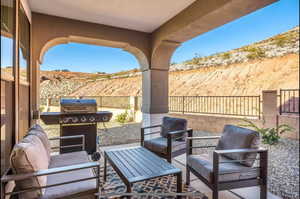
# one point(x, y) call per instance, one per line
point(179, 162)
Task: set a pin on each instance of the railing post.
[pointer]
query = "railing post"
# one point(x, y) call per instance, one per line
point(269, 108)
point(183, 103)
point(259, 107)
point(280, 100)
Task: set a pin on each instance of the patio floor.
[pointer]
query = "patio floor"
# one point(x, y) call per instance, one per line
point(179, 162)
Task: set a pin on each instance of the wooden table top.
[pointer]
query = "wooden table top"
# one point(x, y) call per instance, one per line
point(139, 164)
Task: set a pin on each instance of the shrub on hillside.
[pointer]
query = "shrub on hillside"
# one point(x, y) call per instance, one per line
point(254, 52)
point(281, 40)
point(226, 55)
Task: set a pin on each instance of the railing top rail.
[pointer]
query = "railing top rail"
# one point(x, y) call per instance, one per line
point(219, 96)
point(294, 89)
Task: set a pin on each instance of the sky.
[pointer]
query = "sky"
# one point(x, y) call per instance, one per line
point(264, 23)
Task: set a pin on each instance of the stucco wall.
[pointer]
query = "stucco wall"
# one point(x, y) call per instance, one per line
point(293, 121)
point(215, 124)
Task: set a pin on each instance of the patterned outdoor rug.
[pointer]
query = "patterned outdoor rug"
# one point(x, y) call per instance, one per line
point(162, 187)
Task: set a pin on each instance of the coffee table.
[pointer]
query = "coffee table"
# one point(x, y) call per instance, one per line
point(136, 164)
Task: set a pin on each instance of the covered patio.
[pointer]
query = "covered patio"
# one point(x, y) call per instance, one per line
point(150, 30)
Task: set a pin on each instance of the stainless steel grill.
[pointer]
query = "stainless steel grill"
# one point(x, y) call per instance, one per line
point(77, 117)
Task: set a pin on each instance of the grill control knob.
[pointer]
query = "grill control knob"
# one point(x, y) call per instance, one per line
point(105, 118)
point(83, 119)
point(74, 119)
point(65, 120)
point(92, 119)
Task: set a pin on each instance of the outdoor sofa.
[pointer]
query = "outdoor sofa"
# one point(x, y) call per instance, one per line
point(38, 174)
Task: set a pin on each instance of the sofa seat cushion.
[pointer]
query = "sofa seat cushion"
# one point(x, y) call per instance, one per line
point(203, 165)
point(68, 159)
point(160, 144)
point(29, 156)
point(234, 137)
point(72, 190)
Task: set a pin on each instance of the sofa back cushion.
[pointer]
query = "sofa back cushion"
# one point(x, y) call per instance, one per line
point(29, 156)
point(41, 134)
point(173, 124)
point(235, 137)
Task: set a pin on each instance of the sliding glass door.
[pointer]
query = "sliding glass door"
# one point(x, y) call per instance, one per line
point(24, 72)
point(7, 80)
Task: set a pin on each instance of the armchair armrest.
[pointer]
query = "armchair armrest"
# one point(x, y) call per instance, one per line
point(154, 126)
point(148, 127)
point(17, 177)
point(204, 138)
point(259, 150)
point(70, 137)
point(191, 139)
point(176, 133)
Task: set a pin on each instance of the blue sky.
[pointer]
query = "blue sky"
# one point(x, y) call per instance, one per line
point(271, 20)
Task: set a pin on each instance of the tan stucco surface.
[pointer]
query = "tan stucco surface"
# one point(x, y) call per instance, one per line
point(153, 50)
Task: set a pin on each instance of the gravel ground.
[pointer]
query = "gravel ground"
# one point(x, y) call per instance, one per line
point(284, 168)
point(283, 157)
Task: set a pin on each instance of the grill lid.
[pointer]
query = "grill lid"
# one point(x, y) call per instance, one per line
point(78, 102)
point(78, 105)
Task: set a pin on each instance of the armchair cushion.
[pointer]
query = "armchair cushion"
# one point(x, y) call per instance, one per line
point(173, 124)
point(73, 190)
point(203, 165)
point(235, 137)
point(30, 156)
point(41, 134)
point(160, 145)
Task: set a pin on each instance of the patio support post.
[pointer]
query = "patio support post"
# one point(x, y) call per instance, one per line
point(155, 96)
point(156, 84)
point(270, 110)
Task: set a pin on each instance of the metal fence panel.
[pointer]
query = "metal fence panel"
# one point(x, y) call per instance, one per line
point(219, 105)
point(289, 101)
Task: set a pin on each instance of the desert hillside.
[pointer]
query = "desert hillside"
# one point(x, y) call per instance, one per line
point(269, 64)
point(238, 79)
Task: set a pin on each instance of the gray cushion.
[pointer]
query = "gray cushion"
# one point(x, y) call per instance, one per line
point(74, 190)
point(36, 127)
point(235, 137)
point(41, 134)
point(203, 164)
point(173, 124)
point(67, 159)
point(160, 144)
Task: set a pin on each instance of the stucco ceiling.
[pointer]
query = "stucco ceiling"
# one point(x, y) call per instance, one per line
point(141, 15)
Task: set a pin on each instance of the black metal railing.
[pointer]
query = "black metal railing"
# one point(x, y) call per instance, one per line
point(289, 101)
point(218, 105)
point(119, 102)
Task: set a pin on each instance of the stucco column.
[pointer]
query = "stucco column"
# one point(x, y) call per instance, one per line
point(156, 83)
point(155, 96)
point(269, 106)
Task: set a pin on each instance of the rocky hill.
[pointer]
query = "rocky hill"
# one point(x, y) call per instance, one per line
point(248, 78)
point(269, 64)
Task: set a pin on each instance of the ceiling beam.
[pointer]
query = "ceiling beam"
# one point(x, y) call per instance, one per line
point(203, 16)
